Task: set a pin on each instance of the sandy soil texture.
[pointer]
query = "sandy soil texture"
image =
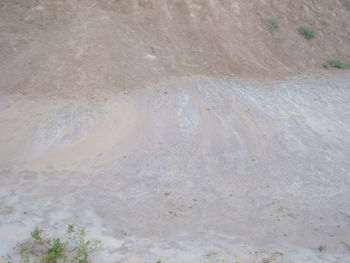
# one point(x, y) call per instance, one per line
point(180, 130)
point(191, 170)
point(81, 48)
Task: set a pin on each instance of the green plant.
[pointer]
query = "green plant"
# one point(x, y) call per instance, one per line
point(83, 247)
point(36, 234)
point(24, 255)
point(56, 251)
point(306, 32)
point(322, 248)
point(337, 63)
point(76, 248)
point(54, 248)
point(273, 22)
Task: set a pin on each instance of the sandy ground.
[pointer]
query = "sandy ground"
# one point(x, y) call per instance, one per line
point(185, 131)
point(190, 170)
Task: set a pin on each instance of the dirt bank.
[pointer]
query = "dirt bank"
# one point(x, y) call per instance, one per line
point(82, 48)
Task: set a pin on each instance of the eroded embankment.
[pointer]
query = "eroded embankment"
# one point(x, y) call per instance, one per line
point(75, 49)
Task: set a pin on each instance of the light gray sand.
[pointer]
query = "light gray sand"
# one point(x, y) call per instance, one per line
point(190, 170)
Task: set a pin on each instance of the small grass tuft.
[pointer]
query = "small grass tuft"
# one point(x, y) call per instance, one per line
point(307, 32)
point(273, 23)
point(322, 248)
point(336, 63)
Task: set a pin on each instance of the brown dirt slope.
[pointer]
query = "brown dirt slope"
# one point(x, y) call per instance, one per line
point(81, 48)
